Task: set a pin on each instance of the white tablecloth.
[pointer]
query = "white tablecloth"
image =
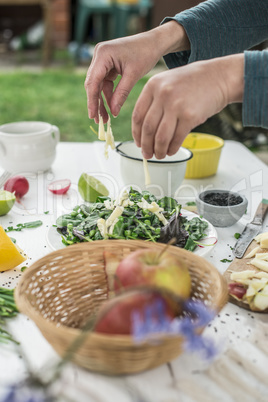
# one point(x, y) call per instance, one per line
point(240, 369)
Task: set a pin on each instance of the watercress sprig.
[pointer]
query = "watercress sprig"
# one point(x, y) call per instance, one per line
point(26, 225)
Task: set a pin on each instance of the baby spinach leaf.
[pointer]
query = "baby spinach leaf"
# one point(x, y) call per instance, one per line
point(64, 220)
point(148, 196)
point(168, 204)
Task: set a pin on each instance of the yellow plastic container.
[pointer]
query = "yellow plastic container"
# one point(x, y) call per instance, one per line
point(206, 149)
point(127, 1)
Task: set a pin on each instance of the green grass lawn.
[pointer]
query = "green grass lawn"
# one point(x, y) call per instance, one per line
point(58, 97)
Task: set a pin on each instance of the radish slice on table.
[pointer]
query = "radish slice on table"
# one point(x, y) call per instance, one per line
point(59, 186)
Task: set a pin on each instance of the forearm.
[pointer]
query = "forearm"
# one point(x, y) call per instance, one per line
point(219, 28)
point(167, 38)
point(231, 76)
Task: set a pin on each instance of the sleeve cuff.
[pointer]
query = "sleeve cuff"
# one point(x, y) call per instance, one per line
point(255, 99)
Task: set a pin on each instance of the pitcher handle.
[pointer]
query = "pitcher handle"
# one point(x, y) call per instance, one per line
point(56, 132)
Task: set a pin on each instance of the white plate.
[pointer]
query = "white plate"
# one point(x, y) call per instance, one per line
point(54, 238)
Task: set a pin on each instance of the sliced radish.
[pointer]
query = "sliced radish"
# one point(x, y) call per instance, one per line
point(208, 241)
point(237, 290)
point(59, 186)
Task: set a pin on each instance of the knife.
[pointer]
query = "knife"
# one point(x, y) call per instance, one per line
point(251, 230)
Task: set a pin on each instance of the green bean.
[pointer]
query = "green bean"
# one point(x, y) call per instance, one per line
point(8, 309)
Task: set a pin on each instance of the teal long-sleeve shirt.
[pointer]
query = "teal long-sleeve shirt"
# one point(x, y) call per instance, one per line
point(218, 28)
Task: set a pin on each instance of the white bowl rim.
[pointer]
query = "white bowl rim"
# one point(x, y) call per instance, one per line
point(118, 150)
point(7, 126)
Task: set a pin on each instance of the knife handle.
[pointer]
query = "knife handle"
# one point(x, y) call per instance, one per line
point(260, 213)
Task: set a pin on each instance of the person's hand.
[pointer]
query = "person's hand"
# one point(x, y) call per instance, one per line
point(131, 57)
point(174, 102)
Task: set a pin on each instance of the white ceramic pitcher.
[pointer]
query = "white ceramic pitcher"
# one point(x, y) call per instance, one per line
point(28, 146)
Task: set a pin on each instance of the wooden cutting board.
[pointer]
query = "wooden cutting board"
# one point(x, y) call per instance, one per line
point(241, 264)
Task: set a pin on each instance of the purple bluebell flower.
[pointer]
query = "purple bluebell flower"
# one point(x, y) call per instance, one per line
point(155, 321)
point(25, 393)
point(203, 315)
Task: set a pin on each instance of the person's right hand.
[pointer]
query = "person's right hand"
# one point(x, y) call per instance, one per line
point(131, 57)
point(128, 57)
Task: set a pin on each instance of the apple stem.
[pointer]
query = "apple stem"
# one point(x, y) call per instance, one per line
point(169, 243)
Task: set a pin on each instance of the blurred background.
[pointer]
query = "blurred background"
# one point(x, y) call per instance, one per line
point(46, 47)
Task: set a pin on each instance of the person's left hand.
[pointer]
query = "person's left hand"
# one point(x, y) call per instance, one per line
point(174, 102)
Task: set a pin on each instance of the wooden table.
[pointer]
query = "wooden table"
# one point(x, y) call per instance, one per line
point(240, 370)
point(46, 6)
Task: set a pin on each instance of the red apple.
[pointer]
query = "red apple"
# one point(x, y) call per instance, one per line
point(115, 315)
point(153, 268)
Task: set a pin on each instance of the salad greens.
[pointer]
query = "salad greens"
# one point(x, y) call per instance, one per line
point(134, 215)
point(191, 204)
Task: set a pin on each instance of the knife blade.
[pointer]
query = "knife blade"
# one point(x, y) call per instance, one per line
point(251, 230)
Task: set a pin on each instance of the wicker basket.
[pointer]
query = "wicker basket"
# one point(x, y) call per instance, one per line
point(62, 290)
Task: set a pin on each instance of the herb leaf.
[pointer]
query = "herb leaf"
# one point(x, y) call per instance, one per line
point(26, 225)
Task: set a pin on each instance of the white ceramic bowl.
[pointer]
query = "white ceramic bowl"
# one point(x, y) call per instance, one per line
point(166, 174)
point(28, 146)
